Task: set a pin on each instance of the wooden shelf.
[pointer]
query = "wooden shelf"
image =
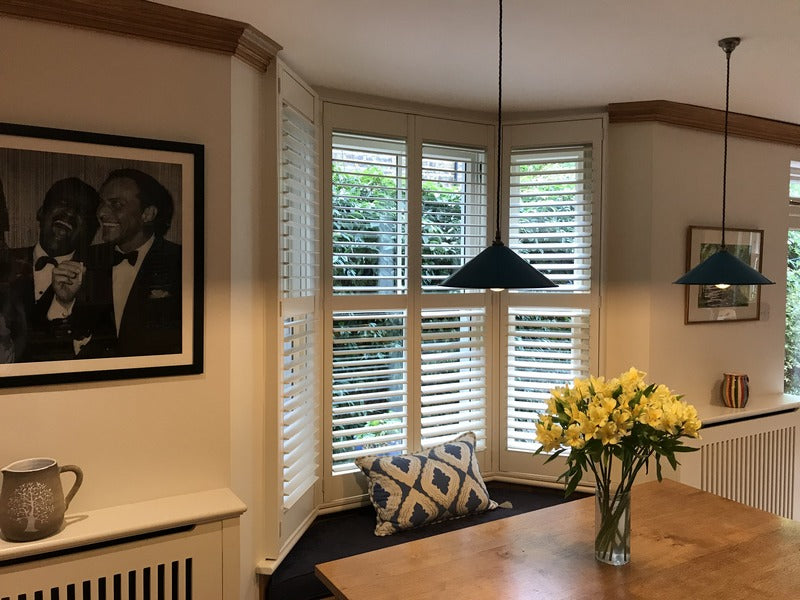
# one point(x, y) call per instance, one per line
point(128, 520)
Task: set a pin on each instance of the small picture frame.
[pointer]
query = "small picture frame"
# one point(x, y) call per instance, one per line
point(709, 304)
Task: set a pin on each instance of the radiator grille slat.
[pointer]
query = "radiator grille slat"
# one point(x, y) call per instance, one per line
point(174, 582)
point(184, 563)
point(757, 470)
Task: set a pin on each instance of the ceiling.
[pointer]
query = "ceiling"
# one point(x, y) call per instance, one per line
point(566, 55)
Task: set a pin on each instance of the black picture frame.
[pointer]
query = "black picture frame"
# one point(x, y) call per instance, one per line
point(707, 303)
point(32, 160)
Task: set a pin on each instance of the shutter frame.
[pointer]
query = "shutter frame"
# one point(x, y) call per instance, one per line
point(551, 212)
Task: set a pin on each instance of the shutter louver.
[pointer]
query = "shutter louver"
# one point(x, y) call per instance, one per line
point(370, 215)
point(300, 446)
point(453, 211)
point(547, 348)
point(299, 205)
point(300, 282)
point(369, 385)
point(550, 216)
point(794, 182)
point(453, 391)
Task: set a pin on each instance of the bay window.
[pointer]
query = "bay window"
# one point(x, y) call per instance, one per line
point(409, 364)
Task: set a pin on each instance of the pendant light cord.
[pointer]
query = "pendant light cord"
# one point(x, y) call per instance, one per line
point(497, 238)
point(728, 51)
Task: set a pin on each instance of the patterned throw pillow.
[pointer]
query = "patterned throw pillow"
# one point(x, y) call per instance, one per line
point(410, 490)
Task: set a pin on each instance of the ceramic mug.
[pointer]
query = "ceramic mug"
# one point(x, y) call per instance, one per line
point(32, 502)
point(735, 389)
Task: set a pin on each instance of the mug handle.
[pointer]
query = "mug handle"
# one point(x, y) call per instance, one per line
point(75, 486)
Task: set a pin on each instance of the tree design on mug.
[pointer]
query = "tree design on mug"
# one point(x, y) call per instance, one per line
point(31, 502)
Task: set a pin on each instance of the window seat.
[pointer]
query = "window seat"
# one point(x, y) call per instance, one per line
point(350, 532)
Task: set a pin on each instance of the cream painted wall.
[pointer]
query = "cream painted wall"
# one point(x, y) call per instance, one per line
point(627, 216)
point(662, 179)
point(144, 439)
point(135, 439)
point(255, 467)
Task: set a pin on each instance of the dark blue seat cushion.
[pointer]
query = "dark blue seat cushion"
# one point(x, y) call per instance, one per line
point(350, 532)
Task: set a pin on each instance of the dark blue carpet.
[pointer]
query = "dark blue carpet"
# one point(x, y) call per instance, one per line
point(351, 532)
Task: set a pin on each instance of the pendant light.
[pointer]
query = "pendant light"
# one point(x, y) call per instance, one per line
point(498, 267)
point(722, 269)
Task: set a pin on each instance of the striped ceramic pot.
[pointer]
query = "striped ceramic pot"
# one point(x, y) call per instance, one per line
point(735, 389)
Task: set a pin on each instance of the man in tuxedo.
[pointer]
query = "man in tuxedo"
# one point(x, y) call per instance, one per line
point(39, 325)
point(10, 313)
point(133, 284)
point(3, 217)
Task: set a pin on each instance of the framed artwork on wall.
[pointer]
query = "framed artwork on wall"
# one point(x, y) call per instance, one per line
point(101, 256)
point(708, 303)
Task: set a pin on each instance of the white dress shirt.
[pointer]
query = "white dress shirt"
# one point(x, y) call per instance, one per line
point(122, 278)
point(43, 279)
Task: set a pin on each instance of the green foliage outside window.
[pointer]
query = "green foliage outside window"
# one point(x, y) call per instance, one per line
point(791, 368)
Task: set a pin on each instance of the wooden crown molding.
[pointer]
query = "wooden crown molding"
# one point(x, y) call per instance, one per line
point(152, 21)
point(706, 119)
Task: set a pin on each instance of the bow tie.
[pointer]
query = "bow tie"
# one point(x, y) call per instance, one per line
point(43, 261)
point(129, 256)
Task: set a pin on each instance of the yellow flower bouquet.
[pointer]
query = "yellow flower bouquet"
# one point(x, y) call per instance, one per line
point(614, 427)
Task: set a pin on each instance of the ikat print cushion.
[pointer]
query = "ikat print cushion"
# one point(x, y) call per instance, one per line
point(410, 490)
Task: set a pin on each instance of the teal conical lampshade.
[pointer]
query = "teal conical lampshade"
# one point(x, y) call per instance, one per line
point(498, 267)
point(723, 268)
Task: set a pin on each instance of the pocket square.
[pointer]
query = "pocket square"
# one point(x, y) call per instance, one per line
point(159, 294)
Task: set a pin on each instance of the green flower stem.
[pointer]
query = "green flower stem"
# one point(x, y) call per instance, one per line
point(612, 507)
point(608, 534)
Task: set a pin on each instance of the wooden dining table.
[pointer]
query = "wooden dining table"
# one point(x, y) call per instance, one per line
point(686, 544)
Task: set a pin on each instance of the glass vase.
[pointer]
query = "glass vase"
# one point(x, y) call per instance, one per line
point(612, 527)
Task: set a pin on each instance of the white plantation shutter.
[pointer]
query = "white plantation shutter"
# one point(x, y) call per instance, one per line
point(547, 347)
point(369, 385)
point(794, 182)
point(554, 218)
point(409, 364)
point(550, 215)
point(453, 211)
point(300, 287)
point(370, 215)
point(300, 445)
point(453, 391)
point(299, 205)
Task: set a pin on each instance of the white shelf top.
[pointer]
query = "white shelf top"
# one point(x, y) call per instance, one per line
point(757, 406)
point(118, 522)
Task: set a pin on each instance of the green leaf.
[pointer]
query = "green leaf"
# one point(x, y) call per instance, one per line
point(573, 483)
point(554, 455)
point(671, 458)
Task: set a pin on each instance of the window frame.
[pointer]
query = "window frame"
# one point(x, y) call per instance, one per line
point(584, 131)
point(792, 224)
point(496, 459)
point(416, 130)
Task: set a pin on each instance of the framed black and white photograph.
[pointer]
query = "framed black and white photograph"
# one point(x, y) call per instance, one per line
point(101, 256)
point(709, 303)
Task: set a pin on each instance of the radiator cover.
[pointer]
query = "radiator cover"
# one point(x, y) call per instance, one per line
point(180, 566)
point(751, 461)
